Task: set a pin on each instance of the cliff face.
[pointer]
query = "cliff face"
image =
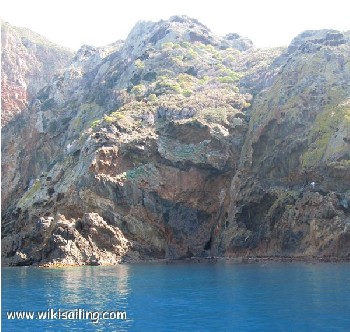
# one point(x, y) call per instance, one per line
point(179, 143)
point(291, 194)
point(28, 63)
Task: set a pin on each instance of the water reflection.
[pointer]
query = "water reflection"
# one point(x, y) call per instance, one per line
point(184, 297)
point(90, 288)
point(108, 287)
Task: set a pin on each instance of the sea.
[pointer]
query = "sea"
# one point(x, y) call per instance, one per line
point(219, 296)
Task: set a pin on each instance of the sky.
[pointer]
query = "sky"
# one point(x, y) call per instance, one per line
point(267, 23)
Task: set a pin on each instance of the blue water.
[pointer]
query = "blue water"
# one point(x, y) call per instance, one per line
point(184, 297)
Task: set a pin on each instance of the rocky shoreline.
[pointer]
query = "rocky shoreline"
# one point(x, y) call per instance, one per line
point(212, 260)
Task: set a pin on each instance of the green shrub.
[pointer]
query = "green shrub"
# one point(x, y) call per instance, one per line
point(191, 54)
point(168, 45)
point(204, 80)
point(117, 115)
point(210, 48)
point(95, 123)
point(227, 79)
point(186, 45)
point(139, 64)
point(138, 90)
point(108, 119)
point(169, 86)
point(152, 97)
point(187, 93)
point(177, 60)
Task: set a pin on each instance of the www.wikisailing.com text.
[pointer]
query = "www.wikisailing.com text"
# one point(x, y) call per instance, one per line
point(77, 314)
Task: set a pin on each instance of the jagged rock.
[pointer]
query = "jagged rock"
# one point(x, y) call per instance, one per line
point(237, 42)
point(295, 157)
point(150, 148)
point(312, 40)
point(86, 241)
point(28, 63)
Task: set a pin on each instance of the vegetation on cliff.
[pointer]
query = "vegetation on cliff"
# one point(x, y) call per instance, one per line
point(178, 143)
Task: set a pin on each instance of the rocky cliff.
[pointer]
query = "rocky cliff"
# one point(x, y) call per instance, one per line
point(179, 143)
point(28, 63)
point(291, 193)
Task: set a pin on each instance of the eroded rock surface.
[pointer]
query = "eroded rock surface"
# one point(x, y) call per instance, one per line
point(179, 143)
point(28, 63)
point(291, 194)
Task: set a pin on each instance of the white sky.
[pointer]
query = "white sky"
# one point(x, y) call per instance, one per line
point(73, 23)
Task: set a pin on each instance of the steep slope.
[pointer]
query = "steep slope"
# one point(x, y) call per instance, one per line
point(149, 148)
point(28, 63)
point(291, 194)
point(144, 134)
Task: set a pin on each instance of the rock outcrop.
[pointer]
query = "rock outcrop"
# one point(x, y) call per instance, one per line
point(291, 194)
point(179, 143)
point(28, 63)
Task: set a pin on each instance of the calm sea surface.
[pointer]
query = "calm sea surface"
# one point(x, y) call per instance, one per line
point(182, 297)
